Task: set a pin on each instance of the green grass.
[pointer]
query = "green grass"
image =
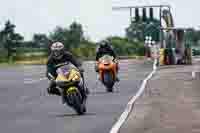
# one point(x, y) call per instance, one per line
point(13, 64)
point(41, 60)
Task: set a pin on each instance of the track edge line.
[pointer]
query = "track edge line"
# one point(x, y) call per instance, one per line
point(116, 127)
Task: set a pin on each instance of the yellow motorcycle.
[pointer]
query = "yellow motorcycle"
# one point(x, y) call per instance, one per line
point(68, 82)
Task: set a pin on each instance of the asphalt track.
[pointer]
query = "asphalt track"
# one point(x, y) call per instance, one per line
point(24, 108)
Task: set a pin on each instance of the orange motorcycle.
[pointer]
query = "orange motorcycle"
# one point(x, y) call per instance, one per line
point(107, 68)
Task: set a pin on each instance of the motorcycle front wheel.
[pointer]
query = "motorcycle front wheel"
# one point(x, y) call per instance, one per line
point(75, 101)
point(108, 81)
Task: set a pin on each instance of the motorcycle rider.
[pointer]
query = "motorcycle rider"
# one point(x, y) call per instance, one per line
point(103, 48)
point(58, 56)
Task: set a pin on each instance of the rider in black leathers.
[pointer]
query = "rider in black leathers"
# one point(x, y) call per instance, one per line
point(103, 48)
point(59, 56)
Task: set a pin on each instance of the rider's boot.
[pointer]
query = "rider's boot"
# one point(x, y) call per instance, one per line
point(52, 90)
point(117, 79)
point(86, 89)
point(84, 95)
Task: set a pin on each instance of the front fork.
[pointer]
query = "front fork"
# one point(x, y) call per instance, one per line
point(61, 94)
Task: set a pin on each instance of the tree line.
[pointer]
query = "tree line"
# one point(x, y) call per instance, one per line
point(13, 46)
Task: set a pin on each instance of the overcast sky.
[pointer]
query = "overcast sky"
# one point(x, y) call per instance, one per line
point(96, 16)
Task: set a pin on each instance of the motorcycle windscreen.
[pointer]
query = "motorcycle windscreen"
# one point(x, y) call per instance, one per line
point(106, 59)
point(63, 71)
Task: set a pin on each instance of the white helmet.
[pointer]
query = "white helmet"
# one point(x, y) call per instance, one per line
point(57, 50)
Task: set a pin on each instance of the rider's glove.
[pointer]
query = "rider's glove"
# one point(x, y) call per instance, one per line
point(115, 60)
point(50, 76)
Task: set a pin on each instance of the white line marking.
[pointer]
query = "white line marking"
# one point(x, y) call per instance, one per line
point(31, 81)
point(195, 71)
point(193, 74)
point(33, 74)
point(116, 127)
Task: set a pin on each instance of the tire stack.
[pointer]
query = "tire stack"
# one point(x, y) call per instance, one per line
point(162, 56)
point(174, 56)
point(169, 56)
point(166, 57)
point(188, 56)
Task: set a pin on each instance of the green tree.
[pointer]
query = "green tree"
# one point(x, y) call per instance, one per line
point(40, 40)
point(71, 37)
point(75, 34)
point(126, 47)
point(193, 37)
point(152, 29)
point(139, 29)
point(9, 38)
point(60, 34)
point(135, 31)
point(28, 44)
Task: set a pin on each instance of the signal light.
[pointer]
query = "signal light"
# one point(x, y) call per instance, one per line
point(151, 14)
point(144, 15)
point(137, 16)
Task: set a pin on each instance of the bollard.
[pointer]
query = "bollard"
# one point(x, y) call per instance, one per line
point(161, 58)
point(196, 75)
point(170, 56)
point(188, 56)
point(165, 57)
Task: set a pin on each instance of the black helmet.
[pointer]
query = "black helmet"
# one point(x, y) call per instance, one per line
point(104, 43)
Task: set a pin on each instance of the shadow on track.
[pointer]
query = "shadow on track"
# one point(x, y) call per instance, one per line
point(92, 93)
point(73, 115)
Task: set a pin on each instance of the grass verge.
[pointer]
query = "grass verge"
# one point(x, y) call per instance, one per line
point(43, 60)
